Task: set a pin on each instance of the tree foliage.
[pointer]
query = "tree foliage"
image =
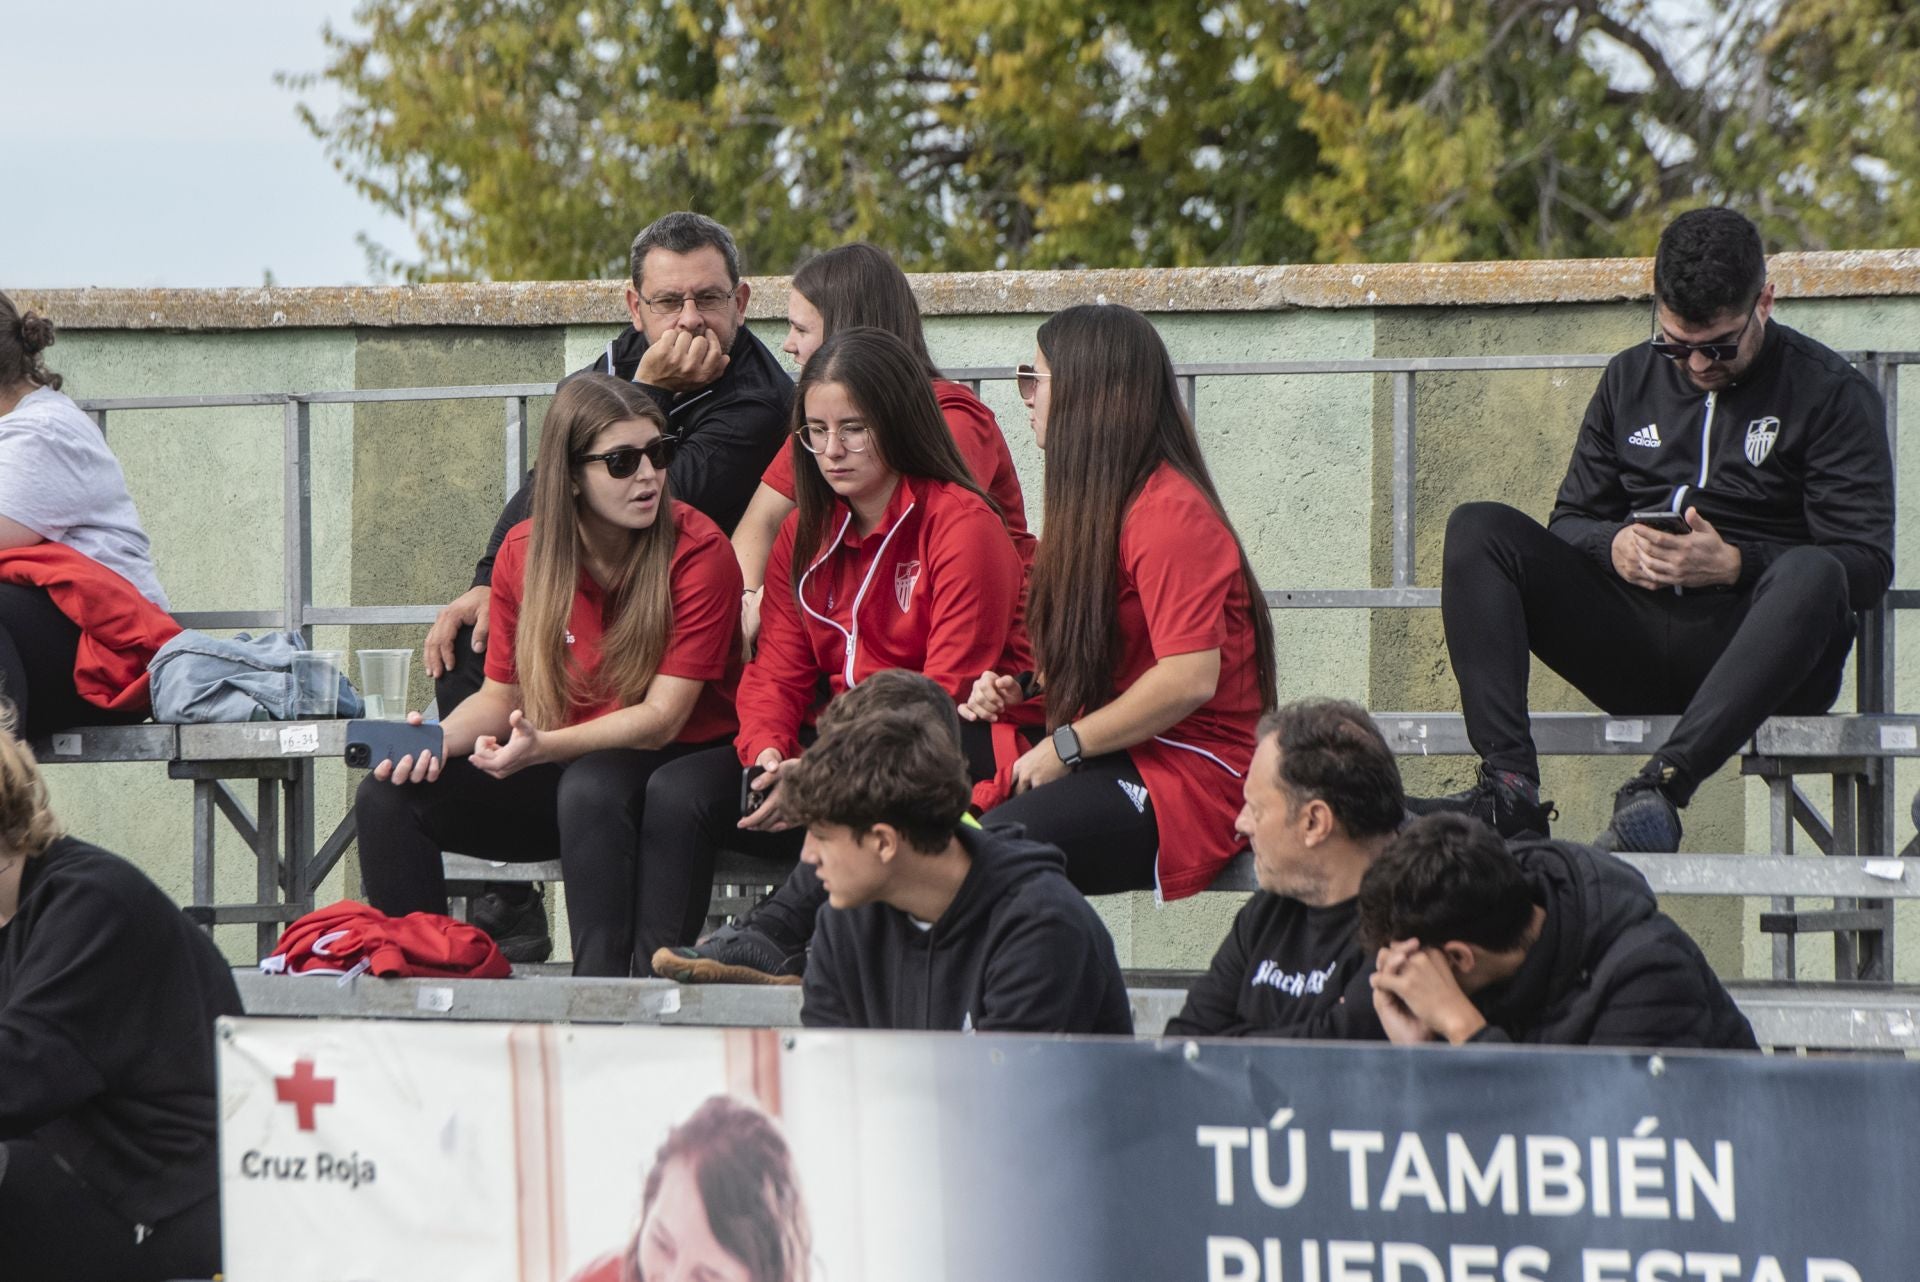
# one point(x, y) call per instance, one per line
point(530, 138)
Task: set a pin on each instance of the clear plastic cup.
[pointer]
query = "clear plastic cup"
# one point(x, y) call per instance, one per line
point(316, 682)
point(383, 683)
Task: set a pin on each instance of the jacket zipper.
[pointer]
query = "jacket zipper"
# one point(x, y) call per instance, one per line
point(1706, 438)
point(853, 613)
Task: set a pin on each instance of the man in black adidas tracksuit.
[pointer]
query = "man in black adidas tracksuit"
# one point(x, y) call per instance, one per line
point(1771, 451)
point(1322, 797)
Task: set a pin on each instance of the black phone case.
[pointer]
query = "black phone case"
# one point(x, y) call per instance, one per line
point(750, 800)
point(371, 742)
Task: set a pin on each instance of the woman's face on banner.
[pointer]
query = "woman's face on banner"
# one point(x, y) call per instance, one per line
point(676, 1241)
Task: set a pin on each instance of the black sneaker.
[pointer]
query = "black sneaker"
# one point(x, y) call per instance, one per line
point(1645, 820)
point(515, 914)
point(732, 954)
point(1507, 801)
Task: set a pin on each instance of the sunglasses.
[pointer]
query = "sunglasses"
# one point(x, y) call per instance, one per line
point(1027, 378)
point(625, 461)
point(1719, 352)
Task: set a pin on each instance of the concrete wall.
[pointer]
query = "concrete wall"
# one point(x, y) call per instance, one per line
point(404, 495)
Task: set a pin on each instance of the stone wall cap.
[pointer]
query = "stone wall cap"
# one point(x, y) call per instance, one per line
point(523, 304)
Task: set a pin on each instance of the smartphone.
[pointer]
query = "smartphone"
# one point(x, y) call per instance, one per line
point(751, 800)
point(371, 742)
point(1658, 518)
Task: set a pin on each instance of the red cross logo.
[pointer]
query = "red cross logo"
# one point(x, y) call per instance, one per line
point(304, 1091)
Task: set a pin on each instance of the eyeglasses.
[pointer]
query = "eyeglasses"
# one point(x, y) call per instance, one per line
point(712, 301)
point(1720, 351)
point(1027, 378)
point(625, 461)
point(814, 438)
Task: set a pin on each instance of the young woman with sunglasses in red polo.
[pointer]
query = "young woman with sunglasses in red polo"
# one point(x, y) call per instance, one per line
point(614, 651)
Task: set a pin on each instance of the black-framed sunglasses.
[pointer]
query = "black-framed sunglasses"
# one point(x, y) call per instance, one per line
point(1027, 379)
point(625, 461)
point(1720, 351)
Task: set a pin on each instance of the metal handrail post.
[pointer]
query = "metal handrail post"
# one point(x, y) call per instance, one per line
point(1403, 471)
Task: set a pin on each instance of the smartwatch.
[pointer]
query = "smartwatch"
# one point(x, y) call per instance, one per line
point(1066, 744)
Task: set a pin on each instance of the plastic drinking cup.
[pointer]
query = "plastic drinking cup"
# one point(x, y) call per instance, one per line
point(383, 683)
point(316, 682)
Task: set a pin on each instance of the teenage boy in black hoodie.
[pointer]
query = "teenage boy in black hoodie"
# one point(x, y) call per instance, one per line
point(1766, 455)
point(1548, 942)
point(1323, 796)
point(933, 922)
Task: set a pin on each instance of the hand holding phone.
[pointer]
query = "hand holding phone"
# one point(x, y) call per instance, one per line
point(371, 742)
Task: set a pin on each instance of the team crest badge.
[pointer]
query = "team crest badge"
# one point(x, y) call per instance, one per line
point(1761, 434)
point(905, 575)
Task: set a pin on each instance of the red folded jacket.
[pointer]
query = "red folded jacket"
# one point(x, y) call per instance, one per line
point(119, 629)
point(348, 938)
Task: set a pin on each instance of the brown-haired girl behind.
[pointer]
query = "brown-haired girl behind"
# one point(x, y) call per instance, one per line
point(614, 650)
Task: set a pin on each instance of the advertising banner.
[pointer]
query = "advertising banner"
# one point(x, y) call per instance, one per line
point(368, 1150)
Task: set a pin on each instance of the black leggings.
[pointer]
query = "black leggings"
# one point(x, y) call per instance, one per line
point(37, 648)
point(54, 1226)
point(620, 905)
point(1724, 660)
point(1110, 843)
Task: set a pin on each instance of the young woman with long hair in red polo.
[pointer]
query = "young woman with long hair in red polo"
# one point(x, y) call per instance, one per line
point(1153, 644)
point(614, 651)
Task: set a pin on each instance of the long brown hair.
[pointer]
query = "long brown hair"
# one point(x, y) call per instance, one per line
point(1114, 417)
point(639, 600)
point(859, 284)
point(905, 430)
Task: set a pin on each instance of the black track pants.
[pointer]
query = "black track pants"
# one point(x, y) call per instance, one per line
point(621, 905)
point(1724, 660)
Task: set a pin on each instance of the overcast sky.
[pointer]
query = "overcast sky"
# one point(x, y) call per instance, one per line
point(146, 144)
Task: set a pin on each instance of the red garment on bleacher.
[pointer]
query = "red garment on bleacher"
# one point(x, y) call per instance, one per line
point(350, 936)
point(119, 629)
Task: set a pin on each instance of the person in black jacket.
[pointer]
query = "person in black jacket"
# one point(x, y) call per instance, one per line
point(1549, 942)
point(933, 922)
point(1766, 456)
point(108, 994)
point(727, 400)
point(1323, 796)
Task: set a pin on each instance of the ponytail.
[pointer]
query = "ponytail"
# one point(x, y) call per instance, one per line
point(27, 825)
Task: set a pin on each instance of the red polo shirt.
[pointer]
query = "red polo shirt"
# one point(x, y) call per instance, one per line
point(705, 588)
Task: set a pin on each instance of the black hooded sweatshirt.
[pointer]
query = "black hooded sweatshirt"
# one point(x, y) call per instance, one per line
point(1794, 453)
point(1018, 950)
point(729, 431)
point(108, 996)
point(1609, 968)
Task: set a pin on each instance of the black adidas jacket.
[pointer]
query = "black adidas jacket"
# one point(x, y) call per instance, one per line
point(107, 1000)
point(730, 430)
point(1795, 453)
point(1018, 950)
point(1285, 970)
point(1609, 968)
